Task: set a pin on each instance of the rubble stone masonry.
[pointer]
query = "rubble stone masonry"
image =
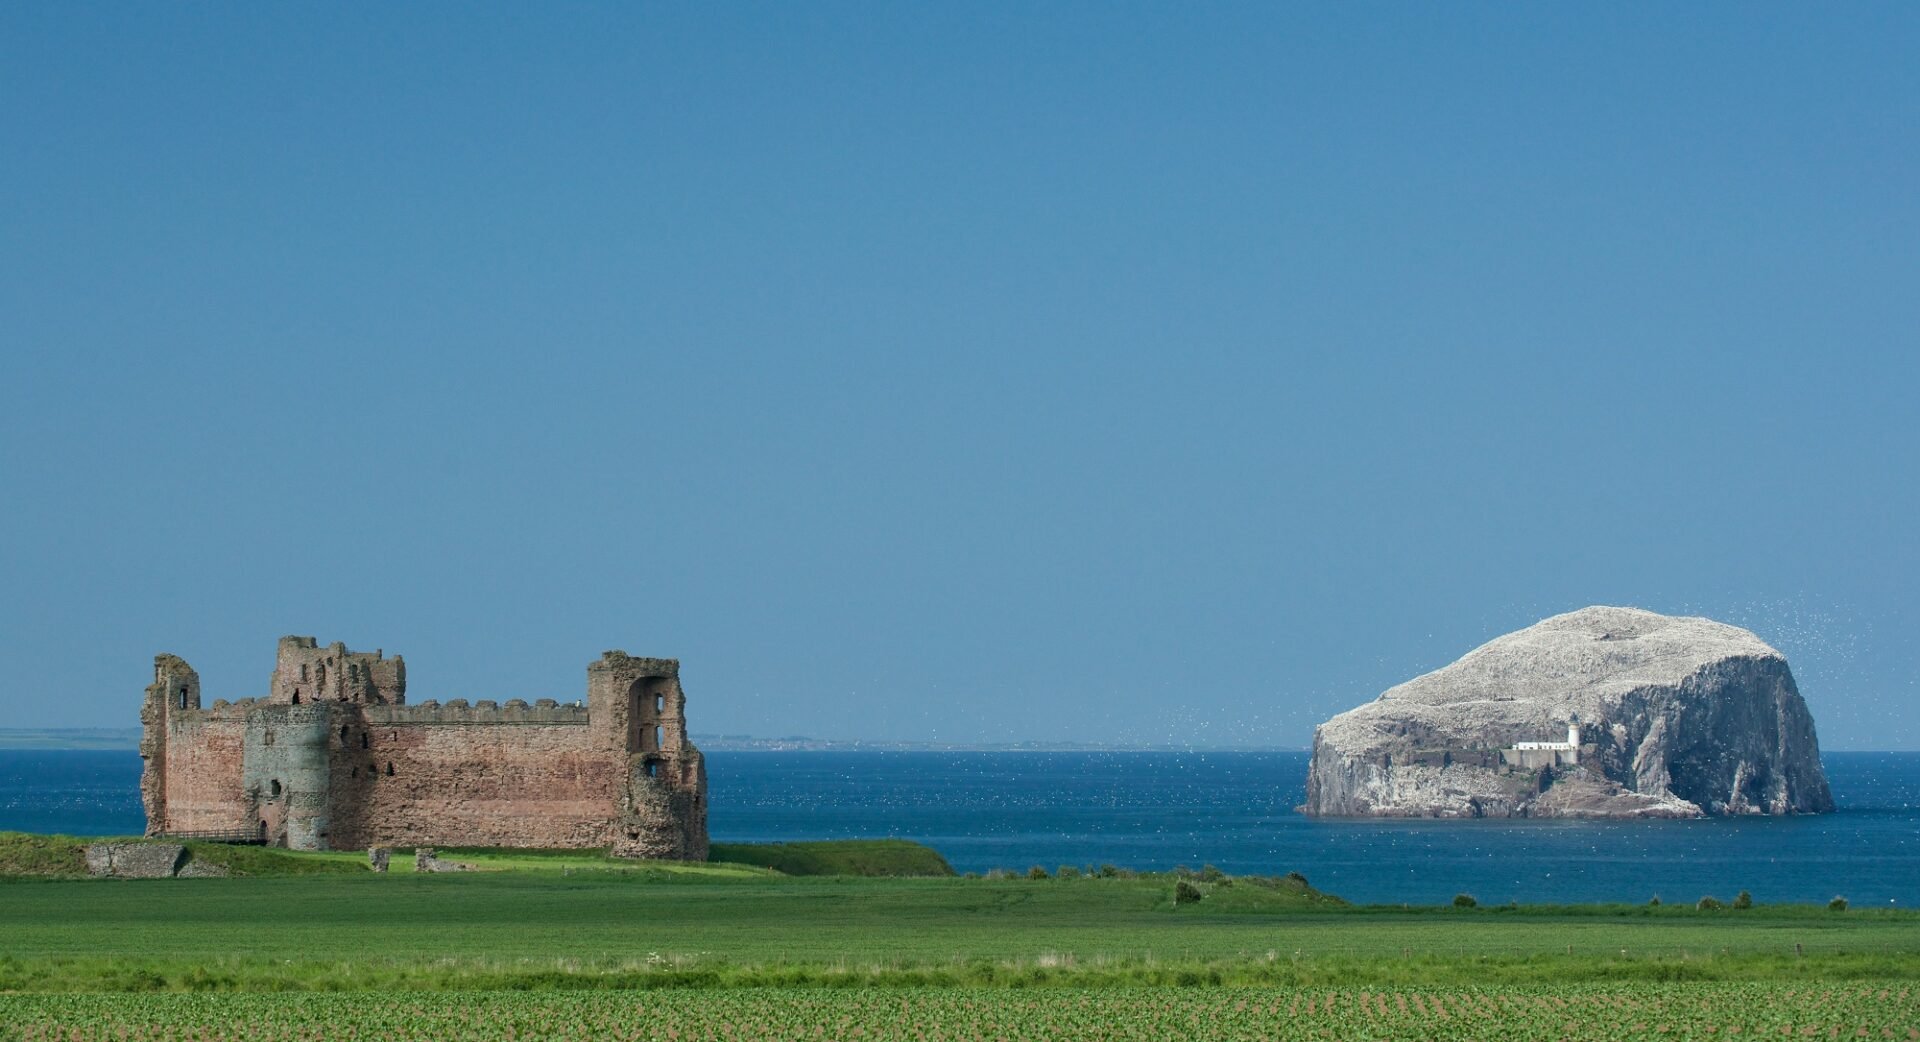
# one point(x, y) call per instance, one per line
point(333, 758)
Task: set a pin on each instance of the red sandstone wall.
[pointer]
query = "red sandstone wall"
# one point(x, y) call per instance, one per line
point(203, 773)
point(483, 784)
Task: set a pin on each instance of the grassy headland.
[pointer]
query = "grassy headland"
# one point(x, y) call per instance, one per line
point(854, 857)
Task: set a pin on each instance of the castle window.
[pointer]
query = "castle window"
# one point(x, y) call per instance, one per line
point(267, 739)
point(653, 770)
point(343, 734)
point(183, 698)
point(389, 768)
point(296, 698)
point(658, 732)
point(355, 773)
point(275, 788)
point(659, 703)
point(363, 740)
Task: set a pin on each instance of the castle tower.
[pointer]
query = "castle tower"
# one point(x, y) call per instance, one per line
point(639, 711)
point(175, 688)
point(286, 773)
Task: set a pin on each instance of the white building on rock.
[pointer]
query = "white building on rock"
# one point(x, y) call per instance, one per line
point(1533, 755)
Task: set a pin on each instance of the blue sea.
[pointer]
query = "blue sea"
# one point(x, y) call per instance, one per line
point(1153, 810)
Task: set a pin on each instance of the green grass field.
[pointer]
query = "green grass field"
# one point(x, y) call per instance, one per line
point(572, 945)
point(729, 925)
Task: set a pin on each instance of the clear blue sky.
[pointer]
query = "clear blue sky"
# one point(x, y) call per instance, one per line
point(1108, 371)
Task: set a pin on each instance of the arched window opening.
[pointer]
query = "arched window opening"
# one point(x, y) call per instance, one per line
point(389, 768)
point(343, 734)
point(653, 769)
point(296, 696)
point(642, 703)
point(355, 773)
point(364, 744)
point(273, 787)
point(659, 738)
point(659, 703)
point(183, 698)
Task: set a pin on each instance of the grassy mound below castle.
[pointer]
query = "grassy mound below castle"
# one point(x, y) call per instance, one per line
point(32, 855)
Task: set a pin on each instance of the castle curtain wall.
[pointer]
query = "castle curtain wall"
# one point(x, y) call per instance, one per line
point(480, 781)
point(203, 787)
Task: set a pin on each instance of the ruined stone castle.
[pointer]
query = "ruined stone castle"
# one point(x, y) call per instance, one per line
point(334, 758)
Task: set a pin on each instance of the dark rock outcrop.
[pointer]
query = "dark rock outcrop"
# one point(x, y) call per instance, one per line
point(1676, 717)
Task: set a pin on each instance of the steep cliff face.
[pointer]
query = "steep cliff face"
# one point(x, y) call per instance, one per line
point(1677, 717)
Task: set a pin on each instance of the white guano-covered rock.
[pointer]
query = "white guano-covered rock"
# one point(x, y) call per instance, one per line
point(1678, 717)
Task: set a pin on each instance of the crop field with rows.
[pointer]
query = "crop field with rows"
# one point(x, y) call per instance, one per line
point(1876, 1009)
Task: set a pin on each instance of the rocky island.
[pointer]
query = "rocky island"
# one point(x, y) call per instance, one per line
point(1599, 713)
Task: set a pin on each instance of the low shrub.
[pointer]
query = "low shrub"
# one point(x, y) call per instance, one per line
point(1037, 872)
point(1838, 904)
point(1210, 874)
point(1743, 900)
point(1465, 901)
point(1185, 893)
point(1709, 904)
point(1066, 872)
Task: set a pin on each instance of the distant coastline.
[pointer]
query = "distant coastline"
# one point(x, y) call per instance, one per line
point(739, 743)
point(101, 738)
point(110, 738)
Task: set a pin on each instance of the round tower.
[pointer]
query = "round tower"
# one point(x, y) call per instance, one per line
point(287, 775)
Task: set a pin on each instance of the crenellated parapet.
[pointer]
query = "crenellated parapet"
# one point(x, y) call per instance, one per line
point(482, 712)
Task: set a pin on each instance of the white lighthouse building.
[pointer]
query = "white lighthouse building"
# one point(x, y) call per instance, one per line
point(1548, 754)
